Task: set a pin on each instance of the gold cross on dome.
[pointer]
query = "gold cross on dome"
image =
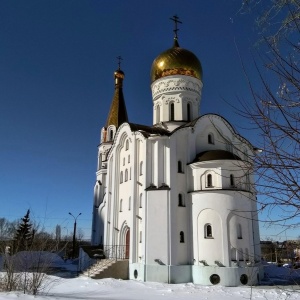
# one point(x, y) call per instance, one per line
point(176, 21)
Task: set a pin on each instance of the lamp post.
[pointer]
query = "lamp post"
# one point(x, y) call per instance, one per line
point(74, 232)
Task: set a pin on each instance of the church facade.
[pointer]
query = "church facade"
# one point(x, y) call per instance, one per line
point(176, 198)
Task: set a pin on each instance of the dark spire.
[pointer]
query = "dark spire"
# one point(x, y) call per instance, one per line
point(176, 21)
point(118, 113)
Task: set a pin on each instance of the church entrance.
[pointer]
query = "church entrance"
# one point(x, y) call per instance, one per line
point(127, 244)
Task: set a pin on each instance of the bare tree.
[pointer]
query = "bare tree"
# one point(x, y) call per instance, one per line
point(275, 109)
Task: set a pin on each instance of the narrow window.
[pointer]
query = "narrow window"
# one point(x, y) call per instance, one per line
point(208, 231)
point(128, 158)
point(130, 173)
point(210, 138)
point(126, 175)
point(123, 161)
point(157, 114)
point(229, 147)
point(180, 200)
point(141, 235)
point(141, 200)
point(121, 204)
point(172, 112)
point(246, 254)
point(233, 254)
point(141, 168)
point(189, 112)
point(181, 237)
point(239, 231)
point(129, 203)
point(180, 167)
point(241, 254)
point(121, 177)
point(111, 135)
point(209, 180)
point(232, 180)
point(127, 145)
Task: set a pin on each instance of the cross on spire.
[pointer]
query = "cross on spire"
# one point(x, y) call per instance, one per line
point(119, 58)
point(176, 21)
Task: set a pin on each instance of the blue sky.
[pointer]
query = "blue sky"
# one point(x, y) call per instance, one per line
point(57, 59)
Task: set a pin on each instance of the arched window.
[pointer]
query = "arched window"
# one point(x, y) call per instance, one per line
point(239, 231)
point(181, 237)
point(209, 180)
point(141, 200)
point(141, 236)
point(121, 204)
point(180, 170)
point(232, 180)
point(180, 200)
point(127, 145)
point(123, 161)
point(129, 203)
point(210, 139)
point(208, 231)
point(121, 177)
point(126, 175)
point(157, 114)
point(188, 112)
point(141, 168)
point(172, 111)
point(111, 135)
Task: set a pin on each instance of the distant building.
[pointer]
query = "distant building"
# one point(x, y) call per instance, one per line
point(176, 198)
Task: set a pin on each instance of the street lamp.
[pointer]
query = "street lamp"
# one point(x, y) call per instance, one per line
point(74, 232)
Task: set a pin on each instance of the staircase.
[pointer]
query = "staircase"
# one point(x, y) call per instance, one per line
point(104, 262)
point(108, 268)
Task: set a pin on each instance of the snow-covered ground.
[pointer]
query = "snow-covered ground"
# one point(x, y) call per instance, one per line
point(82, 287)
point(86, 288)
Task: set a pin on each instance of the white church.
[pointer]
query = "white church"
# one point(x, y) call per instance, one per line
point(177, 198)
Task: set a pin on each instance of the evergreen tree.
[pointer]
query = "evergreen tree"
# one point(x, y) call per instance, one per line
point(24, 234)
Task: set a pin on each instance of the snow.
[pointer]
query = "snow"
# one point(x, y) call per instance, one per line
point(82, 287)
point(87, 288)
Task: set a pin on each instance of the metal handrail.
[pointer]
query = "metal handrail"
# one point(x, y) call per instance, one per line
point(111, 253)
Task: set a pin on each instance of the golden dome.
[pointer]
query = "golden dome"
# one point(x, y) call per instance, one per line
point(176, 61)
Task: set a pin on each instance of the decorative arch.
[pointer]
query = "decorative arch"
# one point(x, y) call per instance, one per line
point(124, 241)
point(205, 242)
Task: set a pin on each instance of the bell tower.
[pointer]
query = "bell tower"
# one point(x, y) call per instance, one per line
point(116, 117)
